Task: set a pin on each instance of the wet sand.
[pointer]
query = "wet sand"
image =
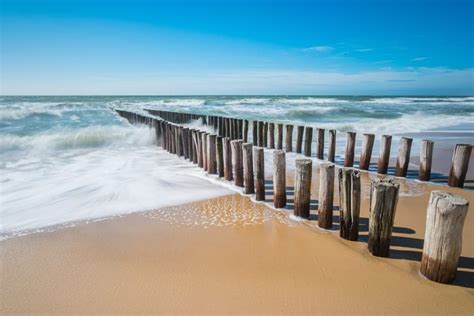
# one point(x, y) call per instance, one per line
point(230, 255)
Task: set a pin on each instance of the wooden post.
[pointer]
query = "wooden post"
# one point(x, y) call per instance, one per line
point(185, 132)
point(227, 160)
point(349, 203)
point(459, 165)
point(211, 154)
point(255, 133)
point(289, 138)
point(271, 132)
point(302, 187)
point(260, 134)
point(279, 179)
point(326, 195)
point(240, 126)
point(265, 134)
point(320, 143)
point(384, 156)
point(246, 130)
point(350, 149)
point(308, 139)
point(383, 205)
point(204, 151)
point(248, 168)
point(403, 158)
point(220, 157)
point(279, 136)
point(443, 236)
point(200, 149)
point(259, 171)
point(299, 139)
point(426, 157)
point(332, 145)
point(237, 159)
point(366, 154)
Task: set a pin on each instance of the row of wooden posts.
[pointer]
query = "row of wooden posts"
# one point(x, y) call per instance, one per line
point(264, 136)
point(244, 163)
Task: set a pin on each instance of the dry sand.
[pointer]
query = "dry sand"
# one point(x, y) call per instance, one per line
point(230, 255)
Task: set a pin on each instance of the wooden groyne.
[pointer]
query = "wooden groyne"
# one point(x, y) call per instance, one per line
point(223, 153)
point(271, 135)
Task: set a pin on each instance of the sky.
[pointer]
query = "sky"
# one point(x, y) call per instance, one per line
point(139, 47)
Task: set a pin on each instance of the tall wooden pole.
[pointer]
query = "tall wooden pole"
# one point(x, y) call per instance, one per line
point(366, 154)
point(332, 145)
point(271, 132)
point(289, 138)
point(299, 139)
point(238, 165)
point(320, 143)
point(220, 156)
point(308, 139)
point(350, 149)
point(279, 136)
point(228, 175)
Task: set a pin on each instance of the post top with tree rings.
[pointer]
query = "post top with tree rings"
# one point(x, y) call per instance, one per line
point(303, 161)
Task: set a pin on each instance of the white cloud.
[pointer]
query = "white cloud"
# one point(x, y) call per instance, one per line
point(319, 49)
point(419, 58)
point(421, 80)
point(363, 50)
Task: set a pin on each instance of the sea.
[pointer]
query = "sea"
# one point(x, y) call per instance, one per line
point(70, 159)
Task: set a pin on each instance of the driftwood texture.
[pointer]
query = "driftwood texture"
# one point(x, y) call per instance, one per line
point(326, 195)
point(259, 171)
point(303, 171)
point(248, 168)
point(459, 165)
point(349, 203)
point(279, 179)
point(383, 204)
point(443, 236)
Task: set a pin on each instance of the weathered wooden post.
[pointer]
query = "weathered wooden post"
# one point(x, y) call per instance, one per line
point(326, 195)
point(349, 203)
point(303, 174)
point(443, 236)
point(259, 170)
point(279, 179)
point(426, 157)
point(185, 132)
point(255, 133)
point(383, 205)
point(220, 156)
point(249, 187)
point(366, 154)
point(403, 158)
point(228, 174)
point(289, 138)
point(260, 134)
point(279, 136)
point(350, 149)
point(237, 159)
point(332, 145)
point(246, 130)
point(271, 132)
point(240, 126)
point(299, 139)
point(459, 165)
point(200, 149)
point(320, 143)
point(265, 134)
point(204, 151)
point(384, 156)
point(211, 154)
point(308, 139)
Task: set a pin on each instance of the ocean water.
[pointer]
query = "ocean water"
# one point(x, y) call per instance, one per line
point(72, 158)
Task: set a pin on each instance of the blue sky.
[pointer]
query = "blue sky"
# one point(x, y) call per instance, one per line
point(349, 47)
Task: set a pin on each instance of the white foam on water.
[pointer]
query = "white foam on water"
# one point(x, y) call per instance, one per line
point(56, 186)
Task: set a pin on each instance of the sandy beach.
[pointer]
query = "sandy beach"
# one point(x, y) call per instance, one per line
point(230, 255)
